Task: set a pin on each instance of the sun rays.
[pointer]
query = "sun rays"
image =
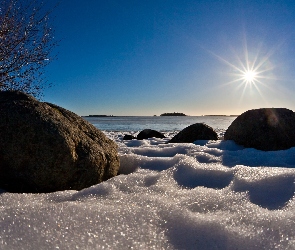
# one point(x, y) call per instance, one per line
point(249, 71)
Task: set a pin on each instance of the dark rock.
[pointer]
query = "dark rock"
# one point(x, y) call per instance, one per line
point(45, 148)
point(149, 133)
point(197, 131)
point(173, 114)
point(128, 137)
point(264, 129)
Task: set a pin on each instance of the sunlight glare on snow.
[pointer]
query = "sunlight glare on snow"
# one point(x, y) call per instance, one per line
point(206, 195)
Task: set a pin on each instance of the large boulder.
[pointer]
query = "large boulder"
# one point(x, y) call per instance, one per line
point(149, 133)
point(45, 148)
point(197, 131)
point(264, 129)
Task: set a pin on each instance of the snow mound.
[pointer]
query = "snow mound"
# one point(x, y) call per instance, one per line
point(206, 195)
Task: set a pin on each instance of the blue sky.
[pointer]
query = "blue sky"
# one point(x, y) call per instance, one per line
point(130, 57)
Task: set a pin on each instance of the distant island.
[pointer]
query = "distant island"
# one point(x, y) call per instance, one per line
point(173, 114)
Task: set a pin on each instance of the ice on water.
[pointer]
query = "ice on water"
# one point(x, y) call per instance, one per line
point(206, 195)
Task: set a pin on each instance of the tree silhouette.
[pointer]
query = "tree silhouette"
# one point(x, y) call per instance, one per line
point(26, 43)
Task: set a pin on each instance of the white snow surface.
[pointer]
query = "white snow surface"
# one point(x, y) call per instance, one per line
point(206, 195)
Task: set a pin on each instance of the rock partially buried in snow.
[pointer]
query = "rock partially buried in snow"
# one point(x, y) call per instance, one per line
point(128, 137)
point(45, 148)
point(149, 133)
point(197, 131)
point(264, 129)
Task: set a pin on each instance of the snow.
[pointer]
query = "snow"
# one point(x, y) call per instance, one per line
point(206, 195)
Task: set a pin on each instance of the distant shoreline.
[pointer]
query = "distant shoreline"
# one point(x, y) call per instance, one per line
point(222, 115)
point(99, 116)
point(110, 116)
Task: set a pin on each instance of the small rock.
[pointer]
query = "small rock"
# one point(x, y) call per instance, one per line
point(197, 131)
point(128, 137)
point(149, 133)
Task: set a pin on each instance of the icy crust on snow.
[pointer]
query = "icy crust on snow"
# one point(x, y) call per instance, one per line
point(206, 195)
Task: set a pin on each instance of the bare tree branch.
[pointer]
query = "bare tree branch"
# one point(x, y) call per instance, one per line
point(26, 43)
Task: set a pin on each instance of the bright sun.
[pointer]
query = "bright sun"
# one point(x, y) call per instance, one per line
point(249, 71)
point(249, 76)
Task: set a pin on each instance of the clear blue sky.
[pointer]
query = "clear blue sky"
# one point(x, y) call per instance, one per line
point(131, 57)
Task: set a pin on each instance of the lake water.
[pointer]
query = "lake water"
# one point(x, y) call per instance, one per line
point(159, 123)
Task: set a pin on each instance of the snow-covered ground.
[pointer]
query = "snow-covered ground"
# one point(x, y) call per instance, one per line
point(207, 195)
